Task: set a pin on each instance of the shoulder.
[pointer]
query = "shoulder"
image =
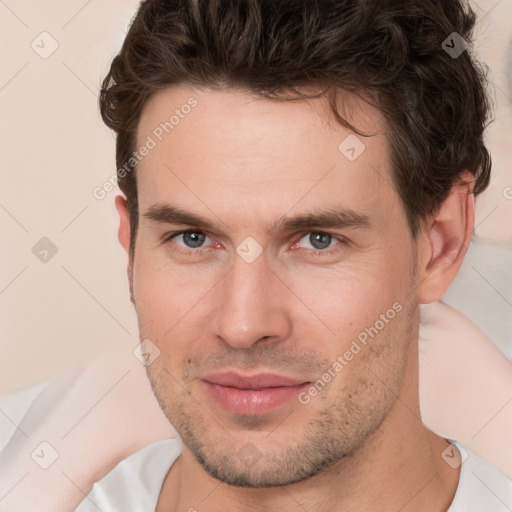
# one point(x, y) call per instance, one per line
point(482, 487)
point(135, 483)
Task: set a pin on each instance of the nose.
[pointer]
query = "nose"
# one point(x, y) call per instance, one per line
point(253, 305)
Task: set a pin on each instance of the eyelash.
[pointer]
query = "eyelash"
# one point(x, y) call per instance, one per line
point(201, 250)
point(178, 248)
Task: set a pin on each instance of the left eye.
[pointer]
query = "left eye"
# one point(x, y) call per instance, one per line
point(190, 239)
point(317, 240)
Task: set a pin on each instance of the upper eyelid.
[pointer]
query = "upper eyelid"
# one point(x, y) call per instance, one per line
point(173, 234)
point(341, 239)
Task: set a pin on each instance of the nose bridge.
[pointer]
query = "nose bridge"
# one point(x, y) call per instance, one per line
point(251, 304)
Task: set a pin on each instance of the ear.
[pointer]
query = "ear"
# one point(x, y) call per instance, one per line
point(124, 223)
point(124, 236)
point(444, 241)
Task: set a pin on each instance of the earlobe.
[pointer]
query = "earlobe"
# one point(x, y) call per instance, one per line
point(445, 240)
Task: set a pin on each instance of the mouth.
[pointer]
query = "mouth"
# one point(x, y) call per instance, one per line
point(252, 395)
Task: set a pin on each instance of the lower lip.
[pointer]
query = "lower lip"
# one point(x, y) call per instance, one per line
point(251, 402)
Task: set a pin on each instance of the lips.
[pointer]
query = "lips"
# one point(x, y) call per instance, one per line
point(251, 395)
point(260, 381)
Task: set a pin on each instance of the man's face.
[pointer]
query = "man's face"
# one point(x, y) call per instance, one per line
point(253, 294)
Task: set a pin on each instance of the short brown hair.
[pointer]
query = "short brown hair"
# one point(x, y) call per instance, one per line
point(434, 102)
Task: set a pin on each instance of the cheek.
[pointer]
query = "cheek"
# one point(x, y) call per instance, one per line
point(354, 297)
point(167, 297)
point(369, 330)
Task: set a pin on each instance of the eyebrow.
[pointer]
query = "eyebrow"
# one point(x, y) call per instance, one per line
point(339, 217)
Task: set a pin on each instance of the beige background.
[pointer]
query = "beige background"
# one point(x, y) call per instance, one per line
point(54, 150)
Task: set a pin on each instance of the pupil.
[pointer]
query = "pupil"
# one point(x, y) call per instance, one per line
point(193, 239)
point(320, 240)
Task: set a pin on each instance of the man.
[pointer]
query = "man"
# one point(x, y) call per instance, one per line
point(299, 179)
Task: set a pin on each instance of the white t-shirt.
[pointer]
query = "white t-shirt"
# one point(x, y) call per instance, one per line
point(134, 484)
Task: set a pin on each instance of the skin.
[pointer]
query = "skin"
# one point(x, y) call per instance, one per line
point(457, 398)
point(358, 444)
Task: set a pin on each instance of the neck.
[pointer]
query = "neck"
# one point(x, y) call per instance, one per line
point(399, 467)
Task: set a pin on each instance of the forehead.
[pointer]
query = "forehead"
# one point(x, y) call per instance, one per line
point(229, 151)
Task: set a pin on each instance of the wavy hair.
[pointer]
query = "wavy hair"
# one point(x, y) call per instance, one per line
point(435, 104)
